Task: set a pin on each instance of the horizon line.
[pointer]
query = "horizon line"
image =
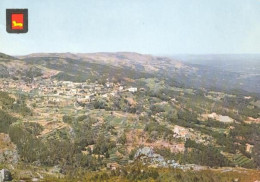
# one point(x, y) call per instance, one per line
point(131, 52)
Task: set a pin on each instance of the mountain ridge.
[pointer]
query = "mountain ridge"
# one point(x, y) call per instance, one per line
point(192, 75)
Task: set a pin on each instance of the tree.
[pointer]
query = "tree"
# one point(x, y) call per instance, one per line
point(122, 139)
point(256, 151)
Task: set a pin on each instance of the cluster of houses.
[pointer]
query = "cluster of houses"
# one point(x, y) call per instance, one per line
point(82, 92)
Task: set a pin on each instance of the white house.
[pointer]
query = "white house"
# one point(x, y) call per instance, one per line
point(132, 89)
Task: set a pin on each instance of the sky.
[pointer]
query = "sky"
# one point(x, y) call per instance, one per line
point(158, 27)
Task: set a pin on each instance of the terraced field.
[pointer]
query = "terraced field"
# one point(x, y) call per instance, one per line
point(239, 159)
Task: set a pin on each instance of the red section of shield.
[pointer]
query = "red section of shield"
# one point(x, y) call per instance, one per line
point(17, 21)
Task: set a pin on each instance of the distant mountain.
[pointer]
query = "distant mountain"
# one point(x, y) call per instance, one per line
point(244, 67)
point(219, 72)
point(238, 63)
point(119, 59)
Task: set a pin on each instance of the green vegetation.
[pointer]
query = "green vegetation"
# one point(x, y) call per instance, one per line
point(156, 131)
point(241, 160)
point(138, 172)
point(9, 106)
point(48, 152)
point(6, 102)
point(204, 155)
point(5, 121)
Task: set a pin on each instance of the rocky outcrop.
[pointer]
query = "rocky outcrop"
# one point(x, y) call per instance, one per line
point(8, 151)
point(147, 155)
point(5, 175)
point(9, 156)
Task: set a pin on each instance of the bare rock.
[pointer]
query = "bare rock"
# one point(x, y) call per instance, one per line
point(5, 175)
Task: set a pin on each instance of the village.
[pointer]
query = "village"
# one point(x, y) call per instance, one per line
point(56, 90)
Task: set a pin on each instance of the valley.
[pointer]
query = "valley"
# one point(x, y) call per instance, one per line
point(118, 115)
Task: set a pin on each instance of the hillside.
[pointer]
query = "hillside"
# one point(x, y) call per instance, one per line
point(229, 74)
point(68, 114)
point(246, 67)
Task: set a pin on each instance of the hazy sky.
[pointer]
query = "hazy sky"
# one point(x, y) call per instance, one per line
point(144, 26)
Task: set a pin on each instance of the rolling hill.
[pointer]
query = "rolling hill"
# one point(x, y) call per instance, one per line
point(111, 113)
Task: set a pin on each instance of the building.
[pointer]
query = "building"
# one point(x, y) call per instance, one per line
point(132, 89)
